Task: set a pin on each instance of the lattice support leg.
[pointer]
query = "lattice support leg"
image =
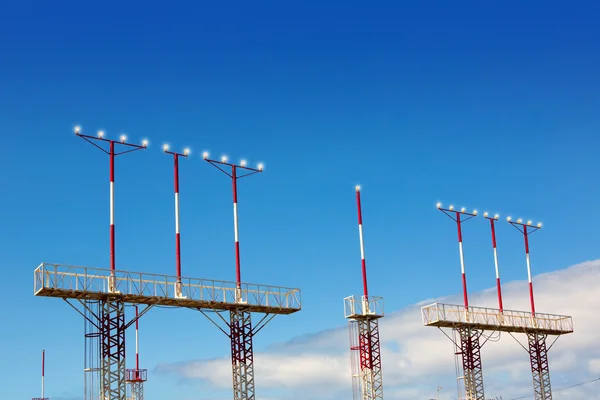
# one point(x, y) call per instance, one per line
point(538, 355)
point(470, 349)
point(91, 361)
point(137, 390)
point(113, 350)
point(355, 360)
point(242, 358)
point(370, 359)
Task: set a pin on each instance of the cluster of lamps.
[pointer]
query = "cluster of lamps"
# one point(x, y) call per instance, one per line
point(166, 147)
point(496, 216)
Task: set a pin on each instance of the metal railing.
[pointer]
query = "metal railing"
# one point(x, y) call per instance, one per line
point(438, 314)
point(372, 306)
point(69, 281)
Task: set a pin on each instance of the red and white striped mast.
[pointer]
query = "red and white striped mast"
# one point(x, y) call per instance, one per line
point(43, 368)
point(456, 216)
point(176, 156)
point(112, 154)
point(234, 178)
point(362, 251)
point(364, 331)
point(498, 286)
point(523, 228)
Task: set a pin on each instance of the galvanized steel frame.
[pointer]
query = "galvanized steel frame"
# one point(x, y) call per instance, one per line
point(540, 368)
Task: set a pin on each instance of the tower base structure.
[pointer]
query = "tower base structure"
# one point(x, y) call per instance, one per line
point(135, 379)
point(472, 322)
point(363, 323)
point(114, 289)
point(242, 354)
point(470, 352)
point(540, 368)
point(112, 330)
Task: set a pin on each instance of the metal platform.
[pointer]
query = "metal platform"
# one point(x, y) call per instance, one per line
point(70, 282)
point(491, 319)
point(363, 308)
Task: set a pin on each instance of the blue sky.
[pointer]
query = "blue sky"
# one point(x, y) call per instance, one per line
point(492, 106)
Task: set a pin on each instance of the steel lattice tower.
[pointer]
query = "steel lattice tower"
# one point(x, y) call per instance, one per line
point(538, 351)
point(110, 321)
point(469, 347)
point(363, 327)
point(102, 293)
point(240, 329)
point(470, 322)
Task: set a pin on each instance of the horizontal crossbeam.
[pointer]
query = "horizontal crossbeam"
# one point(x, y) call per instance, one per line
point(491, 319)
point(85, 283)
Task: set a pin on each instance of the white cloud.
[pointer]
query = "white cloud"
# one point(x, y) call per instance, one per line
point(416, 359)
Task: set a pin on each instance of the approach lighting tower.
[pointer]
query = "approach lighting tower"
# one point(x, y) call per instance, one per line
point(176, 156)
point(363, 324)
point(538, 351)
point(472, 321)
point(241, 331)
point(108, 315)
point(43, 367)
point(470, 347)
point(111, 288)
point(136, 377)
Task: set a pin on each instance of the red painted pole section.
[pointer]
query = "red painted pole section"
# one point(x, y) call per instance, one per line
point(112, 207)
point(238, 274)
point(177, 236)
point(529, 269)
point(496, 265)
point(43, 367)
point(137, 352)
point(362, 245)
point(462, 261)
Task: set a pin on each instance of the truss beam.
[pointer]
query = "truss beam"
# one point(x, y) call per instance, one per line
point(538, 355)
point(470, 350)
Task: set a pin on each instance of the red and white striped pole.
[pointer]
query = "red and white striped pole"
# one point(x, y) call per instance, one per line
point(43, 367)
point(234, 177)
point(518, 224)
point(185, 153)
point(529, 270)
point(362, 244)
point(462, 261)
point(112, 208)
point(111, 152)
point(177, 238)
point(238, 276)
point(456, 216)
point(498, 286)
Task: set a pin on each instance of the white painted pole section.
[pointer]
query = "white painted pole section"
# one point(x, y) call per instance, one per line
point(496, 262)
point(462, 259)
point(528, 267)
point(362, 244)
point(235, 222)
point(176, 212)
point(112, 203)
